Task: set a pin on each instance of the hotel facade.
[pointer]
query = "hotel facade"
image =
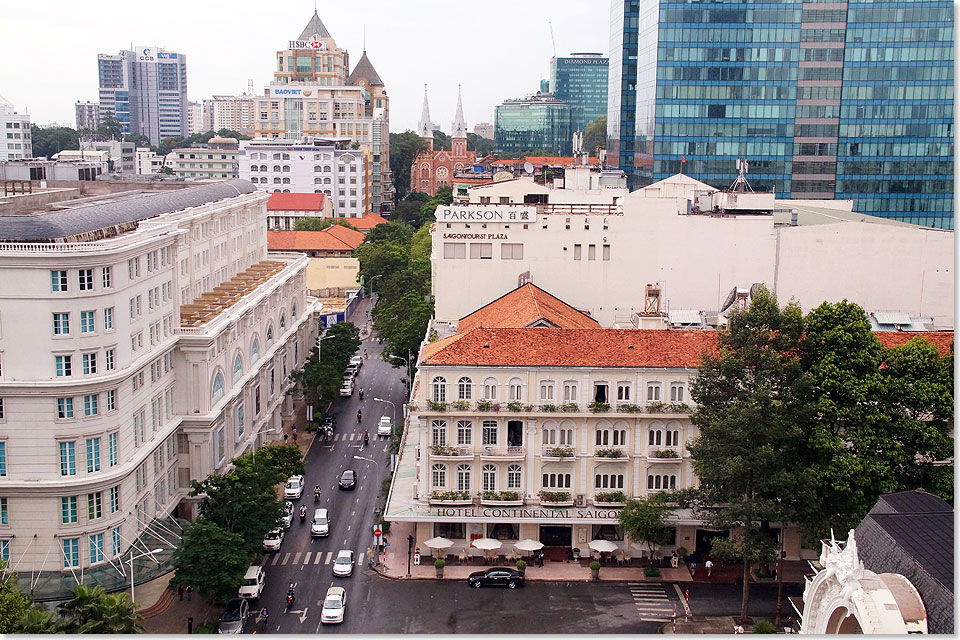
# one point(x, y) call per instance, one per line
point(145, 342)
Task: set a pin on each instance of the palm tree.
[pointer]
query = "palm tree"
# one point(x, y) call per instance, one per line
point(38, 620)
point(95, 611)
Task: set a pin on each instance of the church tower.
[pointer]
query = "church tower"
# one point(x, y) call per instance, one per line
point(425, 128)
point(458, 138)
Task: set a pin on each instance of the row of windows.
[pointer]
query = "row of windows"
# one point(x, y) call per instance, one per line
point(896, 130)
point(894, 74)
point(727, 92)
point(730, 129)
point(489, 476)
point(890, 185)
point(85, 280)
point(891, 167)
point(729, 73)
point(549, 391)
point(898, 34)
point(731, 149)
point(896, 110)
point(713, 33)
point(898, 92)
point(688, 53)
point(458, 251)
point(898, 54)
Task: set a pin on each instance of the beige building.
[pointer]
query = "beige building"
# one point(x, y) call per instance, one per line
point(229, 112)
point(217, 160)
point(332, 273)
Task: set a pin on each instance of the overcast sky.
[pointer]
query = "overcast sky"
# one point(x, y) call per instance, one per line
point(496, 48)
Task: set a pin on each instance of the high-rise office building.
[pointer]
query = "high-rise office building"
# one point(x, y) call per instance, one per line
point(536, 122)
point(850, 100)
point(581, 81)
point(15, 140)
point(194, 117)
point(88, 115)
point(229, 112)
point(146, 90)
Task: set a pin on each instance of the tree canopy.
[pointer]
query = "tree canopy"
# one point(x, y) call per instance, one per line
point(408, 209)
point(404, 148)
point(46, 141)
point(211, 559)
point(320, 377)
point(13, 604)
point(595, 135)
point(644, 520)
point(319, 224)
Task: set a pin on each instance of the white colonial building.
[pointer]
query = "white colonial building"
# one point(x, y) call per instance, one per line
point(144, 341)
point(285, 166)
point(599, 249)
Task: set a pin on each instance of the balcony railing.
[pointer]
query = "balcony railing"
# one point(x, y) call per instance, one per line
point(663, 455)
point(508, 408)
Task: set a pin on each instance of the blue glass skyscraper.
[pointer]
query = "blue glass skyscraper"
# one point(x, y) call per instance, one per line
point(842, 100)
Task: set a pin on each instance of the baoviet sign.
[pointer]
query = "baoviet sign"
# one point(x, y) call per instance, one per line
point(481, 213)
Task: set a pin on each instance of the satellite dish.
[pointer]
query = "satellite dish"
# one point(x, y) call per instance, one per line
point(527, 167)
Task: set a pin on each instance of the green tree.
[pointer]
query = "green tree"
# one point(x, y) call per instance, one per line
point(137, 139)
point(429, 207)
point(441, 141)
point(211, 559)
point(749, 440)
point(36, 620)
point(272, 464)
point(408, 209)
point(93, 610)
point(595, 135)
point(167, 171)
point(479, 145)
point(230, 133)
point(240, 502)
point(644, 520)
point(319, 224)
point(13, 604)
point(322, 374)
point(109, 127)
point(404, 149)
point(169, 144)
point(47, 141)
point(399, 233)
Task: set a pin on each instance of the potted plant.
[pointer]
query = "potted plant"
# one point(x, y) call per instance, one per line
point(548, 408)
point(595, 570)
point(599, 407)
point(439, 563)
point(436, 406)
point(514, 406)
point(484, 405)
point(460, 405)
point(521, 566)
point(651, 571)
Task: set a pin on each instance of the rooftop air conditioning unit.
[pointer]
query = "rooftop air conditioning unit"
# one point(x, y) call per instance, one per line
point(580, 500)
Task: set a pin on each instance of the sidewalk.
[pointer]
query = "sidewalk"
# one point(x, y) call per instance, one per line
point(166, 613)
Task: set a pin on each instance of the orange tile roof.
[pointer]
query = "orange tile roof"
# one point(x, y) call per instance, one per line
point(295, 202)
point(524, 306)
point(543, 347)
point(367, 222)
point(940, 339)
point(333, 238)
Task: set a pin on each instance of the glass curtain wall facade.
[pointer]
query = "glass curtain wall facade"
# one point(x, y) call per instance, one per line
point(847, 100)
point(531, 124)
point(581, 81)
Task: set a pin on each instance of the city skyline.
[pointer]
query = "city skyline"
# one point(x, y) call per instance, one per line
point(577, 25)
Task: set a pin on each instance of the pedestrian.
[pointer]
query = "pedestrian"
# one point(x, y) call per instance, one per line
point(708, 565)
point(693, 568)
point(180, 592)
point(264, 615)
point(189, 592)
point(294, 429)
point(285, 436)
point(540, 556)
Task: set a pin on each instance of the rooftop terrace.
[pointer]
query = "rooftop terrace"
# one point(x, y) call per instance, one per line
point(212, 303)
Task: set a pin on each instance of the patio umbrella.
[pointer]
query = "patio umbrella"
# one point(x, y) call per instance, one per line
point(528, 545)
point(487, 544)
point(438, 543)
point(603, 546)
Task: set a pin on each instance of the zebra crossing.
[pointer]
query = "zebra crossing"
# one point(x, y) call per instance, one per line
point(350, 437)
point(321, 557)
point(652, 602)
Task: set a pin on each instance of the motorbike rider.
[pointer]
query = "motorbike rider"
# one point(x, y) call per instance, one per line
point(361, 393)
point(366, 437)
point(290, 595)
point(316, 493)
point(303, 512)
point(359, 415)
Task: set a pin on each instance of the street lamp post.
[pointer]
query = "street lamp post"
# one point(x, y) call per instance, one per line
point(130, 562)
point(392, 405)
point(409, 552)
point(370, 460)
point(372, 278)
point(406, 362)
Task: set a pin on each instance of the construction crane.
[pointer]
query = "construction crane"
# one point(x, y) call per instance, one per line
point(552, 39)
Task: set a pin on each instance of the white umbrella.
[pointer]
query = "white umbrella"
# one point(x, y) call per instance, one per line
point(438, 543)
point(487, 544)
point(603, 546)
point(528, 545)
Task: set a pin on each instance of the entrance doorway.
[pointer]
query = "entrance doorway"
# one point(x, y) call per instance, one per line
point(704, 541)
point(557, 541)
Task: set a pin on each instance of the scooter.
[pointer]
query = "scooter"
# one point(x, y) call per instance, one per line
point(303, 513)
point(366, 438)
point(359, 416)
point(290, 598)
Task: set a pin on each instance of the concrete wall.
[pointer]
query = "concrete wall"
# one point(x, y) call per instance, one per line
point(327, 273)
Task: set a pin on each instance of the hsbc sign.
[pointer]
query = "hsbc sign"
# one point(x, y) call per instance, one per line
point(304, 44)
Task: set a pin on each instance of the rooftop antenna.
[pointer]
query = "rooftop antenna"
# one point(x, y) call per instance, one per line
point(741, 184)
point(249, 86)
point(552, 39)
point(364, 38)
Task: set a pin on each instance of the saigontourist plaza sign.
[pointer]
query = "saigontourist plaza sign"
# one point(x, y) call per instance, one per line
point(474, 213)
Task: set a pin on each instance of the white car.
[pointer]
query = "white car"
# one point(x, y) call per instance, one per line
point(343, 565)
point(253, 581)
point(334, 604)
point(273, 540)
point(347, 389)
point(287, 517)
point(294, 488)
point(385, 428)
point(356, 361)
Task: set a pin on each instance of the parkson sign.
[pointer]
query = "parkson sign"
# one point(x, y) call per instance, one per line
point(475, 213)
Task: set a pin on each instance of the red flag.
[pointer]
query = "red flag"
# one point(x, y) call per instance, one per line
point(683, 159)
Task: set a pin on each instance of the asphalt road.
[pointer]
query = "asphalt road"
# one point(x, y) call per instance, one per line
point(306, 562)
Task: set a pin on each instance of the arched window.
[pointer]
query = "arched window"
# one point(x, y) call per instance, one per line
point(286, 156)
point(438, 433)
point(286, 168)
point(327, 181)
point(276, 181)
point(327, 169)
point(463, 477)
point(254, 351)
point(276, 156)
point(286, 181)
point(283, 321)
point(424, 172)
point(514, 476)
point(438, 476)
point(317, 181)
point(515, 390)
point(490, 389)
point(293, 311)
point(237, 367)
point(217, 388)
point(439, 389)
point(253, 167)
point(464, 388)
point(269, 336)
point(263, 167)
point(276, 167)
point(317, 169)
point(488, 477)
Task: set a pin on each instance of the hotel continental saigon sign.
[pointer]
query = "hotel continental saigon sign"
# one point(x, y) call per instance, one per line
point(481, 213)
point(528, 514)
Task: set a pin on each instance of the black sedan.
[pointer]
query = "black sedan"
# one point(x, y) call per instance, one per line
point(496, 577)
point(348, 479)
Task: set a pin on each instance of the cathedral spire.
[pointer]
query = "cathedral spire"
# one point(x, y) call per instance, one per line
point(425, 128)
point(459, 126)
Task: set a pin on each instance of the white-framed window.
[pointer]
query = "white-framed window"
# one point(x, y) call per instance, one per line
point(87, 322)
point(85, 279)
point(515, 390)
point(654, 392)
point(514, 476)
point(95, 505)
point(108, 318)
point(556, 481)
point(217, 389)
point(464, 432)
point(58, 281)
point(488, 478)
point(107, 277)
point(570, 393)
point(63, 365)
point(64, 408)
point(241, 426)
point(68, 510)
point(676, 392)
point(96, 548)
point(489, 433)
point(439, 389)
point(608, 481)
point(68, 459)
point(112, 449)
point(623, 392)
point(283, 321)
point(61, 324)
point(219, 446)
point(511, 251)
point(438, 433)
point(454, 250)
point(269, 336)
point(481, 251)
point(89, 363)
point(115, 499)
point(254, 351)
point(661, 482)
point(93, 455)
point(464, 388)
point(438, 476)
point(546, 391)
point(464, 480)
point(601, 392)
point(490, 389)
point(663, 437)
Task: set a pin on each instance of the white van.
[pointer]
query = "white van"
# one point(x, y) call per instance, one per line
point(253, 581)
point(320, 525)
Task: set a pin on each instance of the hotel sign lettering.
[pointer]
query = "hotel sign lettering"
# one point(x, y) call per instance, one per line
point(482, 213)
point(513, 513)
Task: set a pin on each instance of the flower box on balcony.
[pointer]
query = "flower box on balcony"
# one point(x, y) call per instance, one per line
point(570, 407)
point(599, 407)
point(556, 498)
point(436, 406)
point(444, 450)
point(628, 408)
point(501, 498)
point(610, 499)
point(460, 405)
point(548, 408)
point(451, 497)
point(666, 453)
point(558, 452)
point(516, 407)
point(614, 454)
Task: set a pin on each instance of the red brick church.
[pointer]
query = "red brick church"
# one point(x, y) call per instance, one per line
point(435, 169)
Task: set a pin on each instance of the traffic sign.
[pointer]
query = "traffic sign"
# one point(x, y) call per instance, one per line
point(377, 531)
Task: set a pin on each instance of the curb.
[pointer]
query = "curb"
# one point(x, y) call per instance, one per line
point(159, 606)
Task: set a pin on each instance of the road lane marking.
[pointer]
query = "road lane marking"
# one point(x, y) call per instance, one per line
point(276, 557)
point(285, 558)
point(296, 558)
point(329, 555)
point(351, 435)
point(306, 558)
point(318, 558)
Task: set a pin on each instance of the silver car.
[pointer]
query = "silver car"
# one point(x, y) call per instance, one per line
point(273, 540)
point(343, 565)
point(234, 616)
